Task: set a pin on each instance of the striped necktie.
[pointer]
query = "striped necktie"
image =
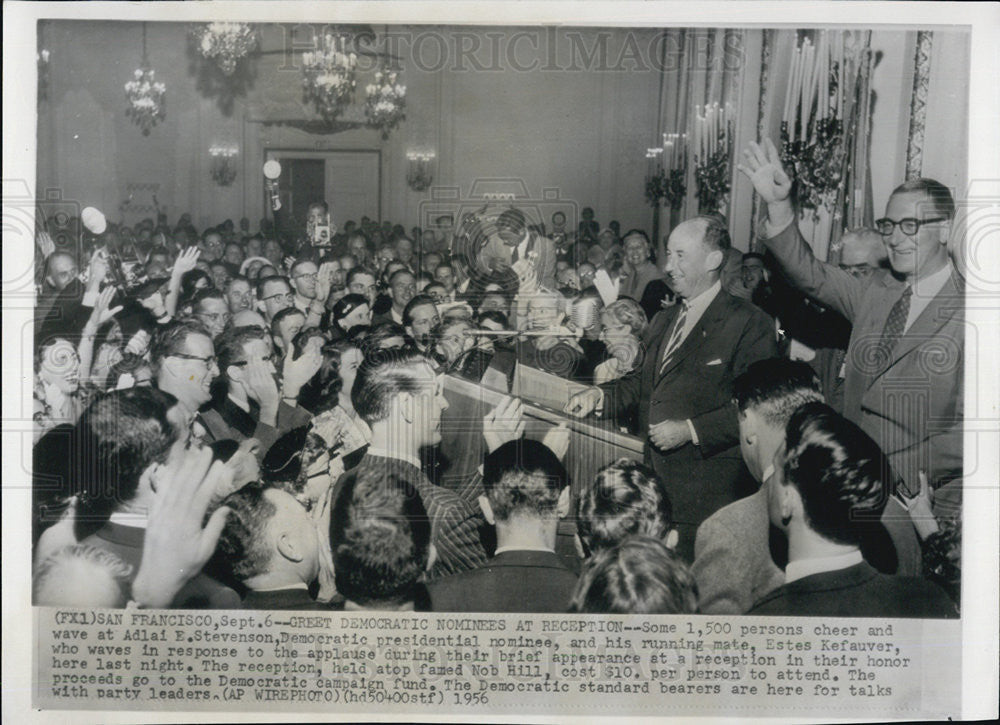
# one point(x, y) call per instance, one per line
point(895, 324)
point(676, 336)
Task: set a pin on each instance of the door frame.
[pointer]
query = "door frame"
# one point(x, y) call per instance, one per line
point(304, 152)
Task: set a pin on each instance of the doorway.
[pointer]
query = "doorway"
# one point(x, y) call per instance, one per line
point(349, 181)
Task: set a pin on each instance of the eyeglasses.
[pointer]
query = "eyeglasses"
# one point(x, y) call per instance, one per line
point(908, 226)
point(307, 275)
point(209, 361)
point(286, 296)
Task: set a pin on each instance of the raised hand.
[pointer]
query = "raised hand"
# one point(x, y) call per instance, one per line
point(504, 423)
point(762, 165)
point(98, 269)
point(324, 281)
point(296, 373)
point(262, 387)
point(186, 261)
point(102, 310)
point(556, 439)
point(177, 545)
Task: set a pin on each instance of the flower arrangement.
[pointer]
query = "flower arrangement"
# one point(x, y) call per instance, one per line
point(666, 186)
point(145, 99)
point(328, 76)
point(385, 101)
point(226, 43)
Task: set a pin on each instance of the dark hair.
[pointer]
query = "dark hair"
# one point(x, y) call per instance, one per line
point(838, 471)
point(359, 270)
point(287, 460)
point(716, 234)
point(626, 499)
point(639, 575)
point(939, 195)
point(281, 315)
point(380, 535)
point(320, 204)
point(511, 220)
point(169, 339)
point(775, 388)
point(243, 544)
point(129, 363)
point(398, 272)
point(523, 476)
point(637, 233)
point(229, 347)
point(417, 301)
point(262, 282)
point(209, 293)
point(755, 255)
point(377, 335)
point(120, 435)
point(383, 375)
point(188, 281)
point(494, 316)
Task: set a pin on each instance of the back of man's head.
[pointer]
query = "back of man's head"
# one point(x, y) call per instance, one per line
point(380, 536)
point(82, 575)
point(120, 435)
point(775, 388)
point(383, 375)
point(627, 499)
point(523, 478)
point(511, 220)
point(244, 544)
point(838, 470)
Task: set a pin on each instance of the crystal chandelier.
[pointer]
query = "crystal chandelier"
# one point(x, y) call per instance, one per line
point(385, 101)
point(328, 76)
point(226, 43)
point(145, 94)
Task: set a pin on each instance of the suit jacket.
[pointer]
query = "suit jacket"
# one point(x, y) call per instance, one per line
point(226, 420)
point(858, 591)
point(281, 599)
point(497, 252)
point(513, 581)
point(455, 523)
point(201, 592)
point(732, 557)
point(910, 404)
point(696, 386)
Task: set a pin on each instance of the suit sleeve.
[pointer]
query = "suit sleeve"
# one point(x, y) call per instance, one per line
point(718, 429)
point(547, 270)
point(827, 283)
point(456, 538)
point(720, 571)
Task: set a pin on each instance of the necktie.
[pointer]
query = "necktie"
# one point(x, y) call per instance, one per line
point(895, 324)
point(675, 336)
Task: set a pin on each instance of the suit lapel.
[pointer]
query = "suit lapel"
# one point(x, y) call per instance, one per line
point(713, 315)
point(936, 315)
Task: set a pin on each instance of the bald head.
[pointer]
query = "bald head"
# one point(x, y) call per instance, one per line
point(861, 246)
point(60, 269)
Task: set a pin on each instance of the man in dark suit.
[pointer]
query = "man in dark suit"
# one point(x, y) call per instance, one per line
point(526, 495)
point(522, 249)
point(269, 544)
point(903, 379)
point(825, 510)
point(682, 392)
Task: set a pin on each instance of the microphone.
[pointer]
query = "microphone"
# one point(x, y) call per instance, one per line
point(272, 170)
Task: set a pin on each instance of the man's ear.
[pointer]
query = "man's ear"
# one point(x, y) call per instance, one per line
point(261, 307)
point(484, 506)
point(789, 502)
point(562, 505)
point(288, 547)
point(406, 406)
point(234, 373)
point(714, 260)
point(672, 538)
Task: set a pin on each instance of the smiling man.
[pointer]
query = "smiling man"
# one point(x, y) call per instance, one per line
point(682, 393)
point(902, 318)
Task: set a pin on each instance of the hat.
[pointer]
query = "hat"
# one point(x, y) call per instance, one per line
point(283, 460)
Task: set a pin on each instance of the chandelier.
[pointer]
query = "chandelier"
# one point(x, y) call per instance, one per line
point(328, 76)
point(226, 43)
point(385, 101)
point(145, 94)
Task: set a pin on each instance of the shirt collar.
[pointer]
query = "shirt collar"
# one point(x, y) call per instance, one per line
point(802, 568)
point(133, 520)
point(768, 472)
point(300, 585)
point(502, 549)
point(385, 453)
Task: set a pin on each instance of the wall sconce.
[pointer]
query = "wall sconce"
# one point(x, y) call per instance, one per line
point(224, 163)
point(419, 173)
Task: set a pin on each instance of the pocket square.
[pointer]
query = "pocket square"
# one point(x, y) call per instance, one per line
point(717, 361)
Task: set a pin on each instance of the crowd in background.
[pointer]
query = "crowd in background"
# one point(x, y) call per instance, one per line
point(229, 417)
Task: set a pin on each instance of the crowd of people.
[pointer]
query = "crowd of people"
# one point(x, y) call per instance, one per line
point(233, 418)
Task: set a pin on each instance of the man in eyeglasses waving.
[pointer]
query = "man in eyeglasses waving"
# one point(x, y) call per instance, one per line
point(903, 378)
